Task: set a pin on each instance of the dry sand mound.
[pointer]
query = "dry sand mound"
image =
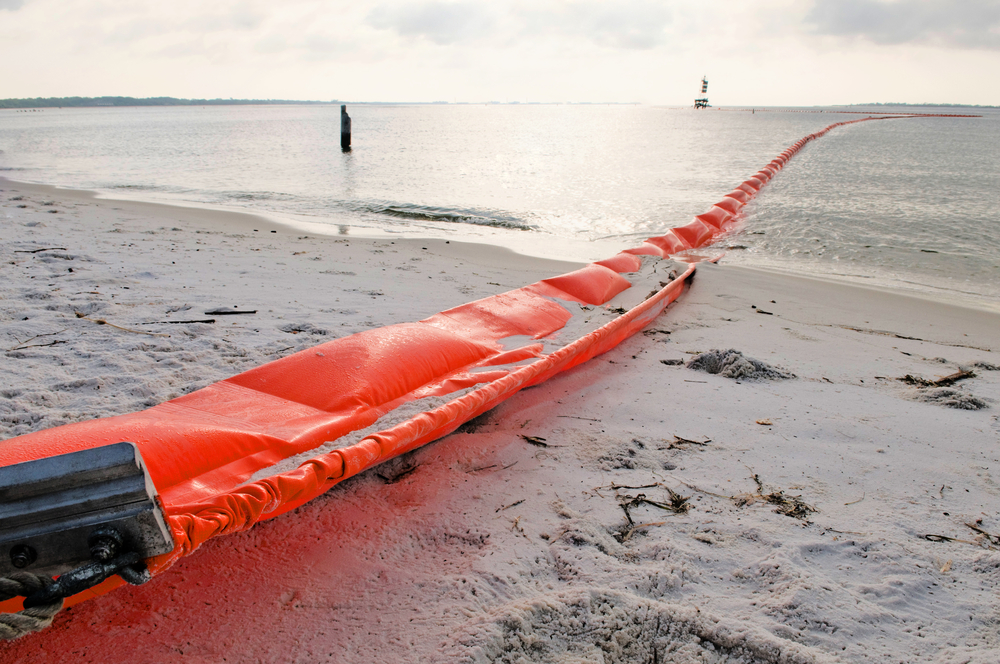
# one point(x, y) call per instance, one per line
point(608, 627)
point(733, 364)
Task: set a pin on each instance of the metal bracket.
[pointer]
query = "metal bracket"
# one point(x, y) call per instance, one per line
point(60, 512)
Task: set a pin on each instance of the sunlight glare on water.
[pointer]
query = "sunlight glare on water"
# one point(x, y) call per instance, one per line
point(904, 202)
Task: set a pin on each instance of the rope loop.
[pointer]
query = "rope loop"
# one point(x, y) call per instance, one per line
point(35, 619)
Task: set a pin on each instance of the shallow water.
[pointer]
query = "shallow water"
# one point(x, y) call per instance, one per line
point(906, 203)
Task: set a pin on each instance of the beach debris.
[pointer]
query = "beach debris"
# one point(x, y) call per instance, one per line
point(227, 311)
point(986, 366)
point(766, 423)
point(947, 566)
point(679, 443)
point(786, 505)
point(507, 507)
point(950, 379)
point(990, 538)
point(855, 502)
point(393, 475)
point(22, 345)
point(733, 364)
point(101, 321)
point(945, 538)
point(516, 527)
point(537, 441)
point(179, 322)
point(672, 363)
point(304, 328)
point(675, 503)
point(953, 398)
point(38, 251)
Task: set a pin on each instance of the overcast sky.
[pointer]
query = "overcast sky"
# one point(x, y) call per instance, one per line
point(759, 52)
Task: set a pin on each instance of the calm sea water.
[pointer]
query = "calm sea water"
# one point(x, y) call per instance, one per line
point(904, 203)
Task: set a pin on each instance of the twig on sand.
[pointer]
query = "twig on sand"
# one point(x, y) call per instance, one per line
point(101, 321)
point(679, 442)
point(632, 528)
point(38, 251)
point(855, 502)
point(707, 493)
point(991, 538)
point(886, 333)
point(229, 312)
point(792, 506)
point(179, 322)
point(678, 504)
point(507, 507)
point(945, 538)
point(940, 382)
point(537, 441)
point(577, 417)
point(21, 345)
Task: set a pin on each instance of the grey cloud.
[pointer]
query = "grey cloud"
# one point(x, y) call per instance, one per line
point(973, 24)
point(626, 24)
point(241, 17)
point(11, 5)
point(440, 22)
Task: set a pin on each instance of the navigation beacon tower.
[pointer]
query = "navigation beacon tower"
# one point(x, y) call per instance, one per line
point(703, 102)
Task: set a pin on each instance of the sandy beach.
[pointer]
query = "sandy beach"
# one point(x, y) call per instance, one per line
point(633, 509)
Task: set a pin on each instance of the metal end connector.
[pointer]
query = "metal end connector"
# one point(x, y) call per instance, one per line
point(61, 512)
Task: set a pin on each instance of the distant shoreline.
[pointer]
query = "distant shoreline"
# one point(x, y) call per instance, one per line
point(119, 102)
point(98, 102)
point(125, 102)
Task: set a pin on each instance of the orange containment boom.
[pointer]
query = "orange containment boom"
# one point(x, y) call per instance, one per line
point(264, 442)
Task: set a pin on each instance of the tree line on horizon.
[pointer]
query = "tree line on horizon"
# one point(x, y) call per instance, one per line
point(71, 102)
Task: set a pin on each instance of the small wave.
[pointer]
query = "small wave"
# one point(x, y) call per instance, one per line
point(428, 213)
point(253, 196)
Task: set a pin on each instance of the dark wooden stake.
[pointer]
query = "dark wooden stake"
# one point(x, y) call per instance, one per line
point(345, 129)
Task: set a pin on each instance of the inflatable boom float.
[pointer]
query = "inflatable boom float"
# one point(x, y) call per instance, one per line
point(120, 499)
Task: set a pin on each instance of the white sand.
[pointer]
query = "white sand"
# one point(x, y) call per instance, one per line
point(494, 549)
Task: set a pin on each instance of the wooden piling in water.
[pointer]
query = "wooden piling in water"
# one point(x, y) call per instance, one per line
point(345, 129)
